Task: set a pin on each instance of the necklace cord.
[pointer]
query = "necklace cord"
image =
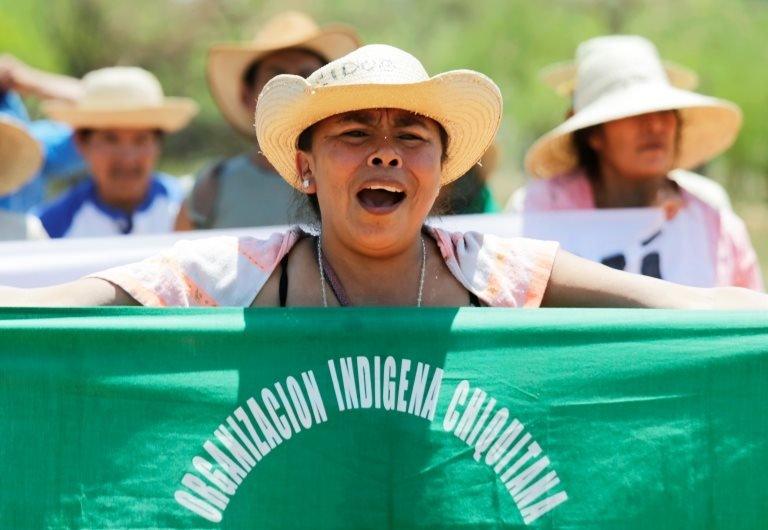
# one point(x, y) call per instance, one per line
point(327, 274)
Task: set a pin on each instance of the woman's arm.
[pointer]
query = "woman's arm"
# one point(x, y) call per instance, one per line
point(83, 292)
point(577, 282)
point(18, 76)
point(183, 221)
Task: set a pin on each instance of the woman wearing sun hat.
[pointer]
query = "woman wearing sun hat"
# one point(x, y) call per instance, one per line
point(561, 77)
point(20, 158)
point(245, 190)
point(369, 139)
point(119, 123)
point(629, 130)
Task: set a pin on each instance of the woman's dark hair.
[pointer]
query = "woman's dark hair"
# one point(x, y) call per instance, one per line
point(252, 71)
point(588, 158)
point(302, 200)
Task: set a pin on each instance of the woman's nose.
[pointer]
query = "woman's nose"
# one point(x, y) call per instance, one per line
point(385, 156)
point(657, 121)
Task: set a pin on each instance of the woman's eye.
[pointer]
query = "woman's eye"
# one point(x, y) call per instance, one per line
point(355, 134)
point(410, 136)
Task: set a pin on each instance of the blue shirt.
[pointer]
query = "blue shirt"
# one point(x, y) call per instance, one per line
point(81, 213)
point(61, 158)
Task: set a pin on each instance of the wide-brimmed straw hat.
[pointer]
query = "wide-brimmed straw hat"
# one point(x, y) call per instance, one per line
point(123, 97)
point(20, 155)
point(466, 103)
point(622, 76)
point(561, 77)
point(227, 62)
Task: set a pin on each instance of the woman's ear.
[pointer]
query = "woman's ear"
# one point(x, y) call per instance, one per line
point(305, 170)
point(596, 139)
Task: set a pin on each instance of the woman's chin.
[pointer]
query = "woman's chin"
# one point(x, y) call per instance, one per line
point(378, 239)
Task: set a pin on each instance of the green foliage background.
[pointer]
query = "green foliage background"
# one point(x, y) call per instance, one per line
point(511, 40)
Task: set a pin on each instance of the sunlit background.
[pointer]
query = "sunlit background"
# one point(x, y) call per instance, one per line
point(725, 41)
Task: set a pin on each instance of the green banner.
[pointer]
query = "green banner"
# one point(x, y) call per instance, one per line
point(383, 418)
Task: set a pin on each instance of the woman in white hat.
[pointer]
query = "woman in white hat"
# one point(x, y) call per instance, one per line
point(631, 128)
point(561, 77)
point(370, 139)
point(119, 123)
point(20, 158)
point(245, 190)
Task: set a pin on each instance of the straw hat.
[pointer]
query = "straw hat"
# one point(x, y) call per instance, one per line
point(622, 76)
point(561, 77)
point(227, 62)
point(20, 155)
point(466, 103)
point(489, 162)
point(123, 97)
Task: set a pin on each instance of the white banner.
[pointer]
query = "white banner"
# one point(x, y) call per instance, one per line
point(635, 240)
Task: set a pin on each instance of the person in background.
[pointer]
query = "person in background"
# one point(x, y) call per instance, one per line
point(60, 157)
point(561, 77)
point(470, 193)
point(369, 139)
point(119, 125)
point(245, 190)
point(20, 158)
point(630, 128)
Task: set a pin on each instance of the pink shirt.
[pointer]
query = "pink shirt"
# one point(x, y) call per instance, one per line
point(230, 271)
point(735, 259)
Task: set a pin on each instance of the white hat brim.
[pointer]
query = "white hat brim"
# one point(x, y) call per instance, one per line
point(174, 114)
point(227, 64)
point(709, 126)
point(20, 155)
point(466, 103)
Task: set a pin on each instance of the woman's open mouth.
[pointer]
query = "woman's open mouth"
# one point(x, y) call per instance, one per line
point(380, 198)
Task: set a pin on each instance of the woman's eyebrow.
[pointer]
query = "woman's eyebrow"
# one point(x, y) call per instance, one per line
point(407, 120)
point(361, 117)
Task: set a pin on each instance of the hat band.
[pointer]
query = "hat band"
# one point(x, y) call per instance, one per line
point(368, 70)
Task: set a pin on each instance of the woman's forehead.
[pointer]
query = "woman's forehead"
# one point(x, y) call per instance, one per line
point(399, 117)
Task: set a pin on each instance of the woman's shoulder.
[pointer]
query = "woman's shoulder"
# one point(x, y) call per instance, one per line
point(215, 271)
point(703, 188)
point(501, 271)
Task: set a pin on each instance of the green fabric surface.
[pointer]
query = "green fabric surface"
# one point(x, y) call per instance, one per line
point(625, 419)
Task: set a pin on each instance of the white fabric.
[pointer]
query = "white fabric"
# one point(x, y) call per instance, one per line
point(17, 226)
point(684, 254)
point(41, 263)
point(90, 221)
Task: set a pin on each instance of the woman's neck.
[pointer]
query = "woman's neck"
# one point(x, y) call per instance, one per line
point(613, 190)
point(391, 280)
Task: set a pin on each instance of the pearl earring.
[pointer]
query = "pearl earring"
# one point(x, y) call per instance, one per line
point(305, 183)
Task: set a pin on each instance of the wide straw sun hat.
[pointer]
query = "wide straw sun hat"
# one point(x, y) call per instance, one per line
point(466, 103)
point(227, 62)
point(561, 77)
point(123, 97)
point(622, 76)
point(20, 155)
